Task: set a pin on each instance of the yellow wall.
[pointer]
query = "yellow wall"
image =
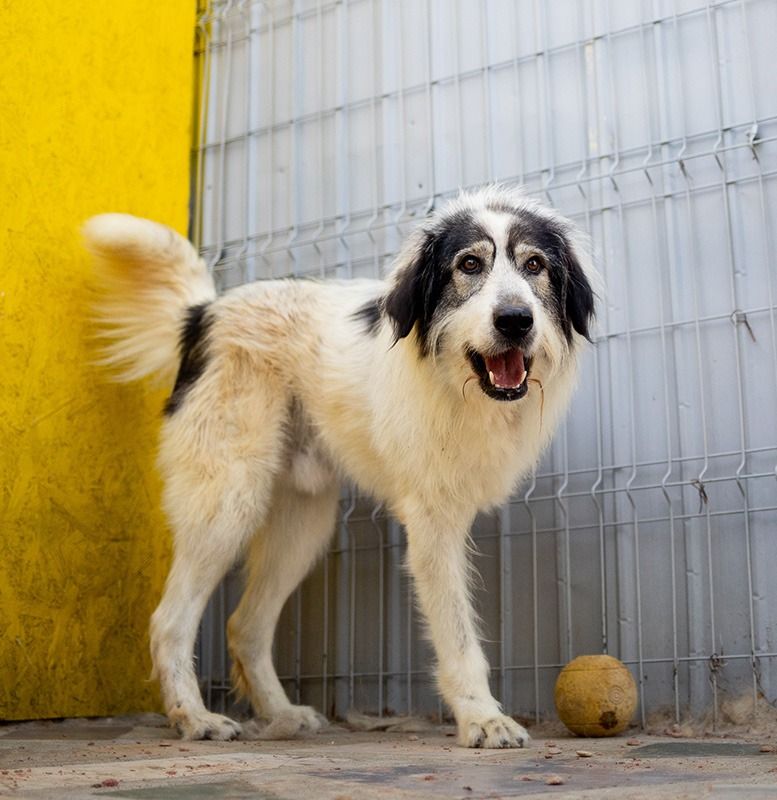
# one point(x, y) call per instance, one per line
point(95, 102)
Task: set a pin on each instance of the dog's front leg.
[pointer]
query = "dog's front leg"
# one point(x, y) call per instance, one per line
point(437, 557)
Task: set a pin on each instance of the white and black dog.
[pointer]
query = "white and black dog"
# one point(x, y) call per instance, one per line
point(435, 390)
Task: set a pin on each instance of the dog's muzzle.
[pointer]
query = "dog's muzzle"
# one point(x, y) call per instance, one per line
point(503, 369)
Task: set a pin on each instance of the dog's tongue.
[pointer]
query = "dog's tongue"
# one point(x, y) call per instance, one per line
point(507, 368)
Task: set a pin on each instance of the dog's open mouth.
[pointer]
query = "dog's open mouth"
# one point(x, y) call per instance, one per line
point(502, 376)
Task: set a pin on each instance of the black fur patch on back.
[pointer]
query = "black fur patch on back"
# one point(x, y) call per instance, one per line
point(193, 347)
point(370, 314)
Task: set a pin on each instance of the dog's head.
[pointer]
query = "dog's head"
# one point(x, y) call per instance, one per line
point(494, 285)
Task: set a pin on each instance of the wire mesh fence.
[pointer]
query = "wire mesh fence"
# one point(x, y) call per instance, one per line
point(327, 128)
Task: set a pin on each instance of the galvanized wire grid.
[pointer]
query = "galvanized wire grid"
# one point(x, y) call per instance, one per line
point(650, 528)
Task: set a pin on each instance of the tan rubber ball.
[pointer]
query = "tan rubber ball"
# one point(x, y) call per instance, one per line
point(596, 696)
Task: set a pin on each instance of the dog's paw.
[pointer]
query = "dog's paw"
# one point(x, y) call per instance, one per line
point(290, 724)
point(205, 726)
point(498, 731)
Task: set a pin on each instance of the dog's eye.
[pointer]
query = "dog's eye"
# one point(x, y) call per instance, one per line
point(533, 264)
point(471, 265)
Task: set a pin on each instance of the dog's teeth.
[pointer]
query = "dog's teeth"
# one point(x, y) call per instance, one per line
point(491, 378)
point(523, 378)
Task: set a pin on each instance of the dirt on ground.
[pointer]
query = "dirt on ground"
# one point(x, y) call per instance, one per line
point(140, 757)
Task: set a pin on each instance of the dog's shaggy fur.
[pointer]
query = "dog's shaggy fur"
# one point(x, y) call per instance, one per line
point(435, 391)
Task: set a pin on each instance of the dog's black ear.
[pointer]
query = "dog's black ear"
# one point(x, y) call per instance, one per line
point(411, 300)
point(579, 299)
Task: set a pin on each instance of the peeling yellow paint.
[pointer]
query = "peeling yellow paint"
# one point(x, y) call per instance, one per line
point(96, 114)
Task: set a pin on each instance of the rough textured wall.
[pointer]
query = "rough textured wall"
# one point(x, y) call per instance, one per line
point(96, 114)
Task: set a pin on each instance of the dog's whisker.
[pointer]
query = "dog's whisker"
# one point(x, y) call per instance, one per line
point(542, 397)
point(464, 386)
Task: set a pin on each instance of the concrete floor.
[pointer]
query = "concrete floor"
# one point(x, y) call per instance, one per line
point(139, 757)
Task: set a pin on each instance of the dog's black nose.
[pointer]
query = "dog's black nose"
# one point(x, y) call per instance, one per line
point(513, 321)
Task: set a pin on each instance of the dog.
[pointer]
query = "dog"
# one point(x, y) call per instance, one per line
point(435, 391)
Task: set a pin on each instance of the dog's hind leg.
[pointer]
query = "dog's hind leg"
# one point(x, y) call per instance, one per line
point(280, 555)
point(217, 494)
point(194, 575)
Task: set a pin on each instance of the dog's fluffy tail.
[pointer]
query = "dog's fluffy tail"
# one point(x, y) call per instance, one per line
point(148, 276)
